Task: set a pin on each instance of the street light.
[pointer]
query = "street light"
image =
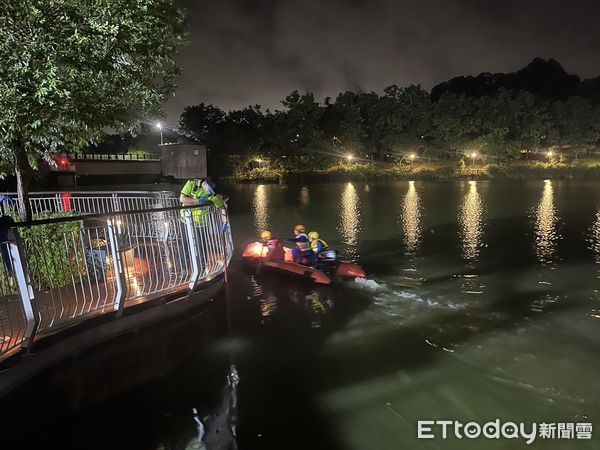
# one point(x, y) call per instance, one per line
point(349, 157)
point(412, 156)
point(473, 156)
point(550, 155)
point(160, 127)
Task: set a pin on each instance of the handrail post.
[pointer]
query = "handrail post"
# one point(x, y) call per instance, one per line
point(115, 200)
point(191, 238)
point(226, 232)
point(121, 279)
point(32, 317)
point(58, 203)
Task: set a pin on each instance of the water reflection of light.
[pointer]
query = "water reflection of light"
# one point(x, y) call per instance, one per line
point(268, 303)
point(411, 219)
point(304, 196)
point(319, 307)
point(268, 306)
point(545, 225)
point(349, 227)
point(595, 239)
point(471, 222)
point(261, 208)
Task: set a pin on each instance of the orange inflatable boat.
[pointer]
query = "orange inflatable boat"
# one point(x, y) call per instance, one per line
point(257, 253)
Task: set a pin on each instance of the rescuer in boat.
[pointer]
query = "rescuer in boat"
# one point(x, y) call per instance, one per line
point(317, 245)
point(275, 251)
point(200, 192)
point(302, 249)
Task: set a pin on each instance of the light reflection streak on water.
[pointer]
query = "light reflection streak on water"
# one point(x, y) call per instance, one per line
point(319, 307)
point(545, 225)
point(596, 237)
point(260, 208)
point(268, 302)
point(349, 227)
point(471, 223)
point(411, 219)
point(595, 241)
point(304, 196)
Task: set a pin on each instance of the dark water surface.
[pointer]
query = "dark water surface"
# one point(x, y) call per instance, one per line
point(482, 303)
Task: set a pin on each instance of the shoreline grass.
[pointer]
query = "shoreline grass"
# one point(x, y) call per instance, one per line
point(577, 169)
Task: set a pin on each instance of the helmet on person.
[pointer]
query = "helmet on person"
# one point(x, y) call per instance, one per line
point(313, 235)
point(209, 185)
point(300, 228)
point(266, 235)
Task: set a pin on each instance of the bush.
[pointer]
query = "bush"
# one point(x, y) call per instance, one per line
point(260, 174)
point(53, 252)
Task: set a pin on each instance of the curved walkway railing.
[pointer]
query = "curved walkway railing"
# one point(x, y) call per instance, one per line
point(61, 271)
point(95, 202)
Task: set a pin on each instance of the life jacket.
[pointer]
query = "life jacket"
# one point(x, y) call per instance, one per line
point(275, 250)
point(303, 246)
point(314, 245)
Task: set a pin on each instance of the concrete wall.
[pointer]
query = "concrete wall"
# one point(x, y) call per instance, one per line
point(85, 167)
point(183, 161)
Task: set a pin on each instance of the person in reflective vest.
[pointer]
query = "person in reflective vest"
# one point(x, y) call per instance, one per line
point(302, 249)
point(199, 192)
point(317, 245)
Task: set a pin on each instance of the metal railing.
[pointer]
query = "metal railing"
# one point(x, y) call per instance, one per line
point(59, 272)
point(94, 202)
point(141, 156)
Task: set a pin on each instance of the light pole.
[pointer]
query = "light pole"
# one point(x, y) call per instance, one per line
point(349, 157)
point(160, 127)
point(550, 156)
point(412, 157)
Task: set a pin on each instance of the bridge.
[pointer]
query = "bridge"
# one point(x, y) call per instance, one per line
point(95, 264)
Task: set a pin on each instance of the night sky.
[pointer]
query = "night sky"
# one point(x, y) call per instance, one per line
point(245, 52)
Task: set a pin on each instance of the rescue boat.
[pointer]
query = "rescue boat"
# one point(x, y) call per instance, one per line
point(329, 265)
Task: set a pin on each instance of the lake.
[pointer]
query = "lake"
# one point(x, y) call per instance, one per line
point(482, 302)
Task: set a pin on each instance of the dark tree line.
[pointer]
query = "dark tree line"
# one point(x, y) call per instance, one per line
point(502, 127)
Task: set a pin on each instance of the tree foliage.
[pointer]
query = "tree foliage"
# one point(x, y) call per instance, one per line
point(70, 68)
point(501, 127)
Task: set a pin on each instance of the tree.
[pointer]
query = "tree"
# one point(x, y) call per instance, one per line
point(343, 124)
point(454, 122)
point(299, 127)
point(512, 122)
point(71, 68)
point(243, 131)
point(578, 123)
point(405, 113)
point(204, 123)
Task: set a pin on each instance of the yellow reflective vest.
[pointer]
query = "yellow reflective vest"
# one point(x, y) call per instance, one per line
point(314, 245)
